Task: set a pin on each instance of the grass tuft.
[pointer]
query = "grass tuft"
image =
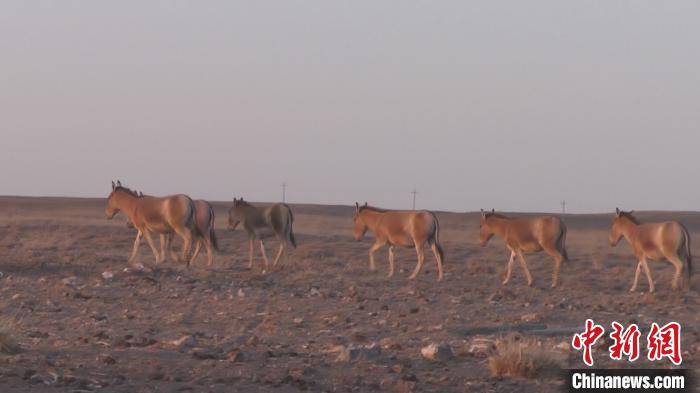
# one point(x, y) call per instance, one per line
point(517, 357)
point(8, 333)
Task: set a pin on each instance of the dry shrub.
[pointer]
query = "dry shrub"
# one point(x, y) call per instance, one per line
point(517, 357)
point(8, 334)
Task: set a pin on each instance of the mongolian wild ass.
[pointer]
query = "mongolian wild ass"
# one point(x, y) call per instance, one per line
point(204, 231)
point(654, 241)
point(399, 228)
point(523, 234)
point(261, 223)
point(175, 213)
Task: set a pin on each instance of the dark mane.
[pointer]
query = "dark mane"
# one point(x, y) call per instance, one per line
point(629, 216)
point(241, 202)
point(373, 209)
point(496, 215)
point(127, 190)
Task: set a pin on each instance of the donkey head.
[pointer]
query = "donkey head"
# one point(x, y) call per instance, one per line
point(234, 214)
point(112, 204)
point(360, 225)
point(620, 221)
point(486, 232)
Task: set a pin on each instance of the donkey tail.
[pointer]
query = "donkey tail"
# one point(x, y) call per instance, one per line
point(688, 255)
point(562, 240)
point(212, 233)
point(435, 239)
point(288, 229)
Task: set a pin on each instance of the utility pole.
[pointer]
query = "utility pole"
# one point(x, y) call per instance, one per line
point(414, 192)
point(284, 192)
point(563, 207)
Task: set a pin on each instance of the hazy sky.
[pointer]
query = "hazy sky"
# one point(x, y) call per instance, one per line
point(514, 105)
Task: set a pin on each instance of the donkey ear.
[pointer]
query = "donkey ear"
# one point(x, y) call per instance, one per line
point(113, 185)
point(617, 211)
point(119, 183)
point(365, 204)
point(493, 211)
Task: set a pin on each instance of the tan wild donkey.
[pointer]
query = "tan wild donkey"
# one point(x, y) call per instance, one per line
point(399, 228)
point(656, 241)
point(523, 234)
point(175, 213)
point(204, 232)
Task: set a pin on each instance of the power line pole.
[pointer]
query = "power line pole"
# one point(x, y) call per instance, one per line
point(284, 192)
point(414, 192)
point(563, 207)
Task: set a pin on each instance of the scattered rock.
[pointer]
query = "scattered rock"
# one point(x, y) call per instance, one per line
point(531, 317)
point(240, 292)
point(207, 353)
point(314, 292)
point(233, 355)
point(184, 341)
point(252, 341)
point(481, 347)
point(70, 282)
point(107, 275)
point(501, 294)
point(352, 353)
point(435, 352)
point(106, 359)
point(564, 346)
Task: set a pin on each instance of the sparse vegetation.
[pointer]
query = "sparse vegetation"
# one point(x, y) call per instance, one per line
point(8, 334)
point(518, 357)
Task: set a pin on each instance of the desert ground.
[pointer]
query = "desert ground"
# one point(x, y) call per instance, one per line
point(86, 321)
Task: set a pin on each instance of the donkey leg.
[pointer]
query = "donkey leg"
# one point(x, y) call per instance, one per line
point(375, 247)
point(558, 259)
point(438, 259)
point(391, 262)
point(279, 254)
point(419, 265)
point(251, 250)
point(210, 252)
point(645, 266)
point(197, 248)
point(137, 242)
point(169, 247)
point(524, 266)
point(262, 249)
point(149, 239)
point(186, 235)
point(509, 267)
point(678, 264)
point(163, 246)
point(636, 276)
